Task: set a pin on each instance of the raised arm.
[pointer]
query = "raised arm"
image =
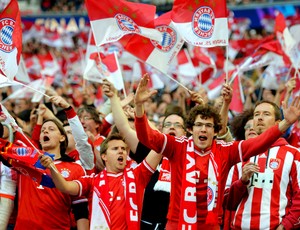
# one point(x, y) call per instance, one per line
point(120, 119)
point(68, 187)
point(83, 147)
point(226, 96)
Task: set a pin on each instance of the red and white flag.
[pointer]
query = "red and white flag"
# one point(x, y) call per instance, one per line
point(201, 23)
point(283, 32)
point(108, 67)
point(10, 39)
point(186, 70)
point(157, 54)
point(112, 19)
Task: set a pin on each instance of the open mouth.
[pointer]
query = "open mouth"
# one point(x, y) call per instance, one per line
point(172, 134)
point(46, 138)
point(202, 138)
point(120, 158)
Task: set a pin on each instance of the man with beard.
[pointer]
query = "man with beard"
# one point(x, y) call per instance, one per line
point(267, 194)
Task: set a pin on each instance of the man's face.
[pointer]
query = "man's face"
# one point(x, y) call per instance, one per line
point(264, 117)
point(174, 125)
point(203, 132)
point(88, 123)
point(116, 156)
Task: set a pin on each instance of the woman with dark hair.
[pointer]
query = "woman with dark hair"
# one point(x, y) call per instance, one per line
point(47, 208)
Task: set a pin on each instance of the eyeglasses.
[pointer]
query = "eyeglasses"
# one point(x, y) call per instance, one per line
point(175, 125)
point(206, 125)
point(248, 127)
point(85, 118)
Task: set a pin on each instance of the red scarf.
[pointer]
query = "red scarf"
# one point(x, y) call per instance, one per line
point(188, 209)
point(100, 217)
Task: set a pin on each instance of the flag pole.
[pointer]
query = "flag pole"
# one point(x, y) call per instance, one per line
point(29, 87)
point(177, 82)
point(226, 65)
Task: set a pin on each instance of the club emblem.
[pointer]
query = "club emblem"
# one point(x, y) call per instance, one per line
point(203, 22)
point(7, 26)
point(274, 163)
point(126, 24)
point(169, 36)
point(210, 195)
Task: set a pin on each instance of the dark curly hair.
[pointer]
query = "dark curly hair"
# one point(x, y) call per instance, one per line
point(205, 111)
point(238, 122)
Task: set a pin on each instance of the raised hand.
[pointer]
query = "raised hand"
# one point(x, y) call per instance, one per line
point(143, 93)
point(292, 113)
point(59, 101)
point(108, 88)
point(226, 93)
point(196, 97)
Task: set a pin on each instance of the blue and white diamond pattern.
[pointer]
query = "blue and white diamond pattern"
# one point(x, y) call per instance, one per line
point(167, 39)
point(127, 24)
point(6, 35)
point(205, 22)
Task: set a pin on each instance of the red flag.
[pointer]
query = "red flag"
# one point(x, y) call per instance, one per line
point(237, 104)
point(201, 23)
point(10, 40)
point(154, 53)
point(26, 164)
point(112, 19)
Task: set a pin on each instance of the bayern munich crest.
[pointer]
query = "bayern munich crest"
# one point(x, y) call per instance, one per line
point(210, 195)
point(126, 24)
point(274, 163)
point(169, 36)
point(204, 22)
point(7, 26)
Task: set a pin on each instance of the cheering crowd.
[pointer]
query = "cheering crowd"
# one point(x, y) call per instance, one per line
point(81, 154)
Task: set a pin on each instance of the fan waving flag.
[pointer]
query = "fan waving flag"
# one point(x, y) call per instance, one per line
point(154, 53)
point(112, 19)
point(202, 22)
point(10, 40)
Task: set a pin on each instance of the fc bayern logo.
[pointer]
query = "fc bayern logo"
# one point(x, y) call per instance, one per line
point(169, 38)
point(65, 173)
point(7, 26)
point(127, 24)
point(204, 22)
point(210, 195)
point(274, 163)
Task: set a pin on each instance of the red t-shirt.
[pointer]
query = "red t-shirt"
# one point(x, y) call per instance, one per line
point(46, 208)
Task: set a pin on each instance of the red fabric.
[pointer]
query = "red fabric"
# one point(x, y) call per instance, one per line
point(274, 190)
point(37, 204)
point(143, 14)
point(227, 154)
point(142, 175)
point(183, 10)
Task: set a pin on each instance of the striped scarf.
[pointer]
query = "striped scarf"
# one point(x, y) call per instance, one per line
point(188, 210)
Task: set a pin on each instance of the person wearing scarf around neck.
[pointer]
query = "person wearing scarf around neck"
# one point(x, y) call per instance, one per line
point(115, 194)
point(200, 164)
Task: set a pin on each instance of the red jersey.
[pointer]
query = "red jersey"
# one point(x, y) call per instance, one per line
point(45, 208)
point(226, 155)
point(142, 175)
point(271, 194)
